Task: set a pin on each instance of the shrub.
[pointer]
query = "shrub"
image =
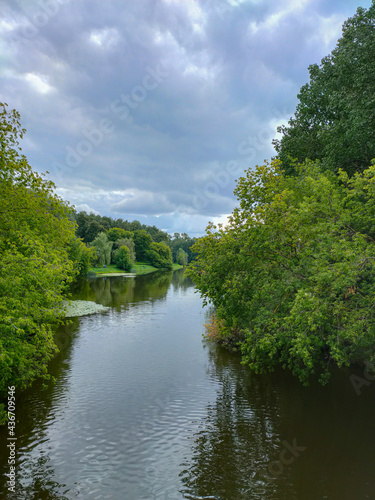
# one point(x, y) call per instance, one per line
point(159, 255)
point(122, 259)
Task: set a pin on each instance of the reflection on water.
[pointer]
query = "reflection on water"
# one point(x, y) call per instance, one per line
point(37, 409)
point(121, 292)
point(267, 437)
point(143, 409)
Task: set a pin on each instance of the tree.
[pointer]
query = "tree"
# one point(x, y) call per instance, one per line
point(116, 233)
point(103, 249)
point(157, 234)
point(82, 256)
point(35, 269)
point(122, 259)
point(128, 242)
point(142, 241)
point(90, 225)
point(159, 255)
point(182, 257)
point(292, 277)
point(184, 242)
point(91, 230)
point(335, 118)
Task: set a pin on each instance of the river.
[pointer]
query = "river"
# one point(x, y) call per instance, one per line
point(143, 408)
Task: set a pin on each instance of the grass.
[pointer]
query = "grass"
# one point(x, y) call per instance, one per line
point(112, 269)
point(139, 268)
point(143, 268)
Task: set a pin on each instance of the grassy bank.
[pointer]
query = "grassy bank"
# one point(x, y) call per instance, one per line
point(106, 270)
point(139, 268)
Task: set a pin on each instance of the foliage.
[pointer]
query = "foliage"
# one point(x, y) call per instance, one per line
point(116, 233)
point(128, 242)
point(35, 238)
point(294, 269)
point(103, 249)
point(82, 256)
point(335, 118)
point(217, 332)
point(142, 241)
point(157, 234)
point(122, 259)
point(159, 255)
point(182, 240)
point(89, 230)
point(181, 257)
point(90, 225)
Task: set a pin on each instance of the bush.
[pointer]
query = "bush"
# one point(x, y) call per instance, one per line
point(122, 259)
point(127, 242)
point(159, 255)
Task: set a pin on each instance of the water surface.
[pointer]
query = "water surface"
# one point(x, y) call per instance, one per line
point(144, 409)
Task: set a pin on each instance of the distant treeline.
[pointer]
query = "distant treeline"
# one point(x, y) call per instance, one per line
point(90, 226)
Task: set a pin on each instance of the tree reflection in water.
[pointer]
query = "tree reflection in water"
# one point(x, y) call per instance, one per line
point(121, 291)
point(35, 474)
point(234, 446)
point(236, 453)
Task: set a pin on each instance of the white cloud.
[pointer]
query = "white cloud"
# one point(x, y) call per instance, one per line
point(38, 82)
point(85, 208)
point(105, 38)
point(272, 22)
point(328, 31)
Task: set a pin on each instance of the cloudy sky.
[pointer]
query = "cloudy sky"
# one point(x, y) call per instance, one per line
point(151, 109)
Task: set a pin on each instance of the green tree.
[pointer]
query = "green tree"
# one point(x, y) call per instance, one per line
point(181, 257)
point(116, 233)
point(82, 256)
point(335, 118)
point(142, 241)
point(294, 271)
point(35, 236)
point(128, 242)
point(157, 234)
point(103, 249)
point(122, 259)
point(182, 241)
point(91, 230)
point(159, 255)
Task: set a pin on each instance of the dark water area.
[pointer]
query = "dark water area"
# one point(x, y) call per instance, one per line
point(144, 409)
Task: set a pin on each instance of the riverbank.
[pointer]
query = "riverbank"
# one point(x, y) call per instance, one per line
point(139, 269)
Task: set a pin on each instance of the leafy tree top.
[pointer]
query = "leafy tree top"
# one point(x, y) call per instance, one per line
point(335, 118)
point(294, 270)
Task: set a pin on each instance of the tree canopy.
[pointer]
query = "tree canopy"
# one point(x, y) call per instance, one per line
point(335, 118)
point(159, 255)
point(103, 248)
point(36, 236)
point(122, 259)
point(292, 277)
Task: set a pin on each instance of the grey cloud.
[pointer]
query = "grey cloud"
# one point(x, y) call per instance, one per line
point(144, 203)
point(231, 77)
